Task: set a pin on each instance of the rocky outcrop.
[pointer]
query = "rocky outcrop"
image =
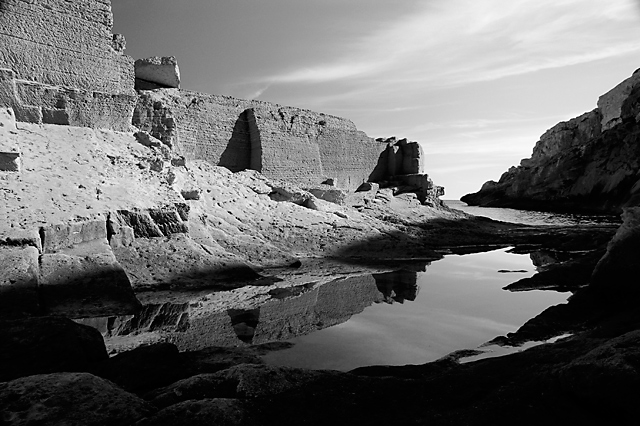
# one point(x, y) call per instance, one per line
point(155, 73)
point(590, 163)
point(60, 64)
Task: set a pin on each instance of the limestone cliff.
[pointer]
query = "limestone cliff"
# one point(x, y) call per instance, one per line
point(590, 163)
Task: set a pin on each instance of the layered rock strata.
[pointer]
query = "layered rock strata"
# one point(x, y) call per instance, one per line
point(60, 64)
point(590, 163)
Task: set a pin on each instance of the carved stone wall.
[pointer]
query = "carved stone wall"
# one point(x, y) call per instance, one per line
point(62, 65)
point(281, 142)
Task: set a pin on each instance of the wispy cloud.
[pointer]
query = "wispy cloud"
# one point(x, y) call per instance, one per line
point(460, 41)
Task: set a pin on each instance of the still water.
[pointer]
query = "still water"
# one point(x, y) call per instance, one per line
point(458, 304)
point(530, 217)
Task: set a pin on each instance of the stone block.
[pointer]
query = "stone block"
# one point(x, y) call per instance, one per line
point(169, 221)
point(332, 195)
point(28, 114)
point(119, 233)
point(139, 221)
point(18, 281)
point(368, 187)
point(9, 159)
point(18, 237)
point(62, 236)
point(178, 162)
point(55, 116)
point(163, 72)
point(191, 194)
point(85, 285)
point(147, 140)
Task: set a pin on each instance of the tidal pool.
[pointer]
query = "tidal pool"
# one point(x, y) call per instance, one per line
point(460, 304)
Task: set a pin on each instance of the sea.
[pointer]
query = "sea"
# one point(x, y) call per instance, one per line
point(529, 217)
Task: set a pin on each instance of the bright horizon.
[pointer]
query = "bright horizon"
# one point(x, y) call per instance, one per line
point(476, 82)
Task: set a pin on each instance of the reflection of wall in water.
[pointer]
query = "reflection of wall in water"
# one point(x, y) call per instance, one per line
point(289, 313)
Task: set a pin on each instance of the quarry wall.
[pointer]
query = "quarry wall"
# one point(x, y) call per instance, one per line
point(60, 64)
point(286, 143)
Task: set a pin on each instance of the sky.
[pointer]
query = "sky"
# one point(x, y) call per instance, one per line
point(476, 82)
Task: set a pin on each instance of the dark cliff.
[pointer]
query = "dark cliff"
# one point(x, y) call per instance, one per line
point(588, 164)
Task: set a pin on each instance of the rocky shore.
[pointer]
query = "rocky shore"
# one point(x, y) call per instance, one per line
point(587, 164)
point(156, 244)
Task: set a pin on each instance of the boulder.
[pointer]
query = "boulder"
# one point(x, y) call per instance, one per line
point(69, 399)
point(47, 345)
point(157, 72)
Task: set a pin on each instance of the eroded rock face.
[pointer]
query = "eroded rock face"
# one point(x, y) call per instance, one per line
point(589, 163)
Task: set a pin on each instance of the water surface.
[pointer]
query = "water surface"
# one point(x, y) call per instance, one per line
point(531, 217)
point(459, 304)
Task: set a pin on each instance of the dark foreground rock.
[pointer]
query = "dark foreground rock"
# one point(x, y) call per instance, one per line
point(48, 345)
point(70, 399)
point(242, 381)
point(205, 412)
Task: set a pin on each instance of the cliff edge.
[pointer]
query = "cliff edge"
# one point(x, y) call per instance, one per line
point(588, 164)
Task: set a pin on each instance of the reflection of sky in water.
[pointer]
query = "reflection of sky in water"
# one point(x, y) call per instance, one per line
point(460, 305)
